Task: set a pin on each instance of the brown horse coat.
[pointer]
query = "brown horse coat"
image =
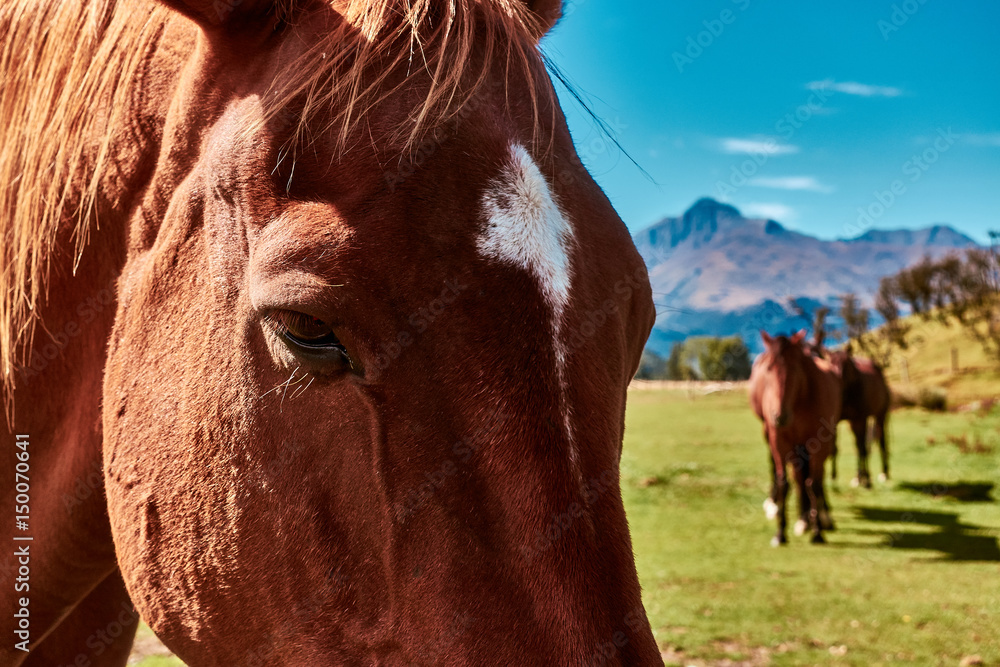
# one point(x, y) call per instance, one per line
point(340, 375)
point(866, 394)
point(798, 399)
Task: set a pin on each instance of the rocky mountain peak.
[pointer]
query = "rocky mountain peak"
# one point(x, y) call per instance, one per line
point(717, 273)
point(698, 225)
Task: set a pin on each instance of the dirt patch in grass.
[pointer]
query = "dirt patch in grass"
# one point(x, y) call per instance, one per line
point(733, 653)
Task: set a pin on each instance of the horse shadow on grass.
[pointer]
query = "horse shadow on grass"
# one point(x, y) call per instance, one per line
point(953, 540)
point(966, 492)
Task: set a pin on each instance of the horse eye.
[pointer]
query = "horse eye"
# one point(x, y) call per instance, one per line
point(305, 331)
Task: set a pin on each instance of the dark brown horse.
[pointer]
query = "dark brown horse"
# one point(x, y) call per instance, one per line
point(866, 394)
point(797, 397)
point(319, 334)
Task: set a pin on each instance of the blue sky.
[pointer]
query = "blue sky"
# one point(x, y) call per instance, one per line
point(804, 112)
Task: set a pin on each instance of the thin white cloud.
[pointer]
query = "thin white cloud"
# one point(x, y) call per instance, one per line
point(991, 139)
point(771, 210)
point(808, 183)
point(756, 146)
point(855, 88)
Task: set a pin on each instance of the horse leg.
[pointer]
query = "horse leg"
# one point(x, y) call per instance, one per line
point(813, 489)
point(98, 632)
point(825, 521)
point(824, 511)
point(800, 472)
point(771, 503)
point(781, 495)
point(860, 428)
point(800, 465)
point(883, 445)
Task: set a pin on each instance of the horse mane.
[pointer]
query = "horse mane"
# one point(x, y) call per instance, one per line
point(783, 343)
point(68, 67)
point(436, 37)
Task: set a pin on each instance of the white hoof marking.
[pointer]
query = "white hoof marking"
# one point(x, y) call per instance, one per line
point(770, 508)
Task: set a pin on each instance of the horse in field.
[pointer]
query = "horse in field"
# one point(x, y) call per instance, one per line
point(797, 397)
point(316, 334)
point(865, 394)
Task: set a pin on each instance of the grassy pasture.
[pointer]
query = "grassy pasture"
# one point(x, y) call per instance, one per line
point(928, 360)
point(911, 575)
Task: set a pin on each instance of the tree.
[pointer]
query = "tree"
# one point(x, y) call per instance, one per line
point(739, 363)
point(893, 333)
point(977, 306)
point(816, 319)
point(878, 344)
point(677, 367)
point(885, 299)
point(722, 359)
point(819, 327)
point(651, 366)
point(955, 288)
point(855, 317)
point(915, 286)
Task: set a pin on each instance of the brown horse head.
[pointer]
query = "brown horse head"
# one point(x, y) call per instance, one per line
point(365, 388)
point(782, 378)
point(844, 362)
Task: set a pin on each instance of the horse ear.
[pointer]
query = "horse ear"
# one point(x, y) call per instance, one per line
point(766, 338)
point(547, 12)
point(799, 337)
point(213, 14)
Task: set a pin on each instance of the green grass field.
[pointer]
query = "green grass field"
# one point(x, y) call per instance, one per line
point(911, 575)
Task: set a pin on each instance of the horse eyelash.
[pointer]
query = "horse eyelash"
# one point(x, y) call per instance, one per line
point(279, 322)
point(270, 318)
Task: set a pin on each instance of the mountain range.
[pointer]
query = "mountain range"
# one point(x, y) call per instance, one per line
point(717, 273)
